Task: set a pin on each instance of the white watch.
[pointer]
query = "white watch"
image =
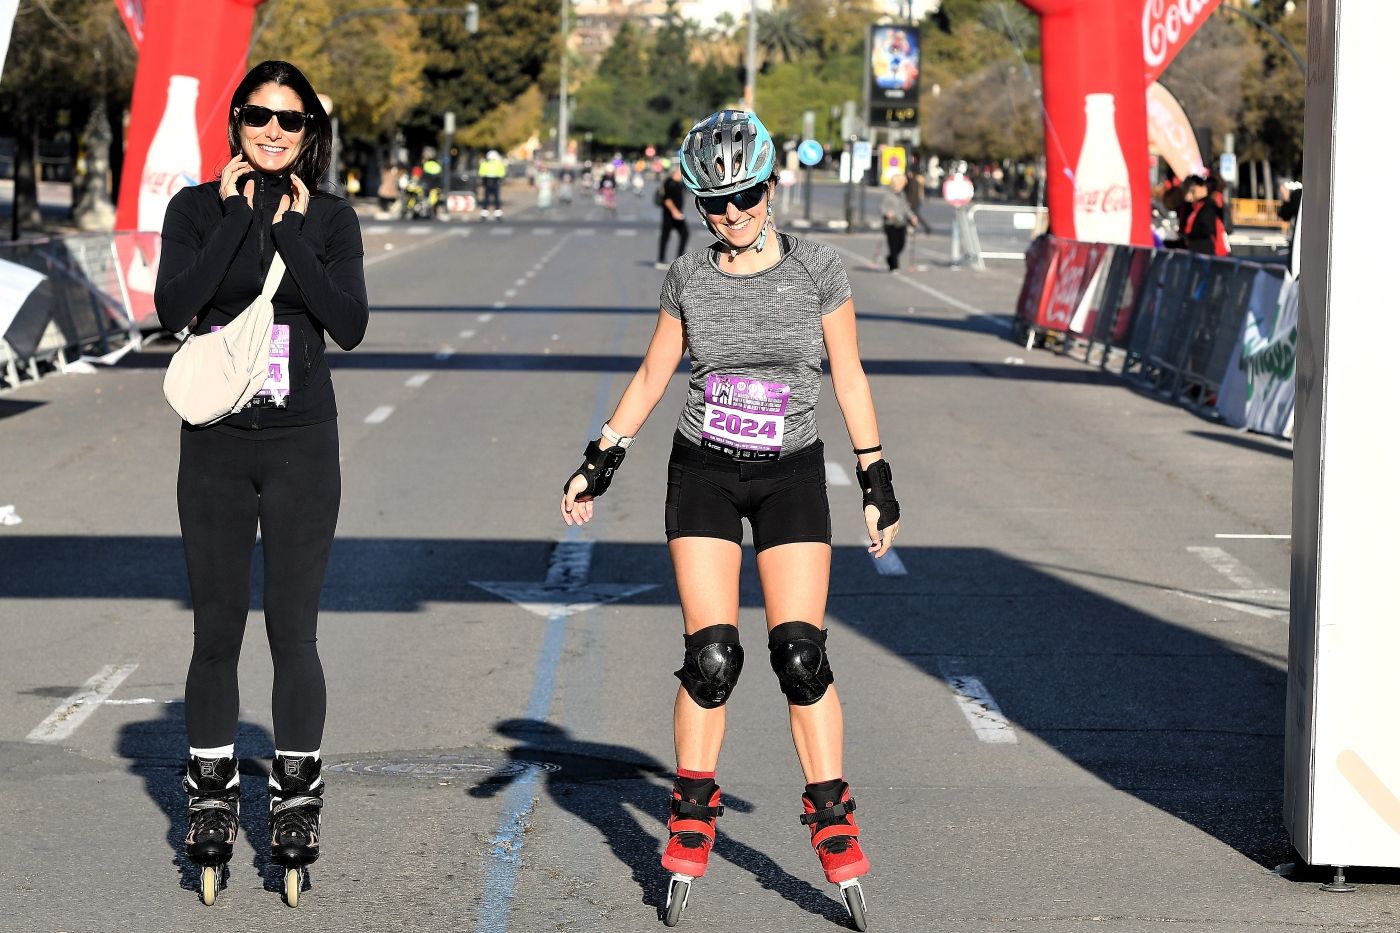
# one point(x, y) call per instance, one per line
point(618, 439)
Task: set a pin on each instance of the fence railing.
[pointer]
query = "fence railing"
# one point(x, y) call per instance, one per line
point(1186, 326)
point(91, 294)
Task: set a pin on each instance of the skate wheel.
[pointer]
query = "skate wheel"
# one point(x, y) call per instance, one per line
point(855, 903)
point(291, 887)
point(208, 885)
point(677, 894)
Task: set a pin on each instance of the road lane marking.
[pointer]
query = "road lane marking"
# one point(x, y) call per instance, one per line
point(444, 354)
point(890, 565)
point(1251, 597)
point(983, 714)
point(1255, 537)
point(502, 231)
point(418, 381)
point(461, 231)
point(140, 701)
point(467, 334)
point(511, 293)
point(520, 282)
point(930, 290)
point(419, 231)
point(70, 714)
point(543, 231)
point(625, 232)
point(377, 230)
point(483, 318)
point(379, 415)
point(836, 475)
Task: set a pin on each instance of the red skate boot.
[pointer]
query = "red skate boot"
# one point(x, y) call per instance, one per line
point(826, 810)
point(692, 827)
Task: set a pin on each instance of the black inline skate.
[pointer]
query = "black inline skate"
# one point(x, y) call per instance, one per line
point(294, 810)
point(212, 786)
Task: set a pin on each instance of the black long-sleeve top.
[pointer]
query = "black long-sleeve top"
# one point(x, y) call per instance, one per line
point(214, 259)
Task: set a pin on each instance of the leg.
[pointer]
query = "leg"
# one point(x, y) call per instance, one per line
point(665, 235)
point(795, 578)
point(300, 505)
point(683, 234)
point(707, 575)
point(218, 506)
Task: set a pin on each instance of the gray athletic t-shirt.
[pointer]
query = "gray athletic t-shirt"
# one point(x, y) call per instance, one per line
point(755, 347)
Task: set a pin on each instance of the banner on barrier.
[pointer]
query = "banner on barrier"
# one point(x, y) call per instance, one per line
point(25, 303)
point(1258, 389)
point(1040, 268)
point(1073, 277)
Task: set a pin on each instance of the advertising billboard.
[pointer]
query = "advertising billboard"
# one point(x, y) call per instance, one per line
point(893, 76)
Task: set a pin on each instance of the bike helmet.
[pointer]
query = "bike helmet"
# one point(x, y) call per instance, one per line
point(727, 151)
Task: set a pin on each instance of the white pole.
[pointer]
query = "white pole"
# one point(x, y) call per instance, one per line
point(563, 80)
point(751, 66)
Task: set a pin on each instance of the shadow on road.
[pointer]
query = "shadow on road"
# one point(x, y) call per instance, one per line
point(156, 749)
point(604, 785)
point(1187, 722)
point(1262, 445)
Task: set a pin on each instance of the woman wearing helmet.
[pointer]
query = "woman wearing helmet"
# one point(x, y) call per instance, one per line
point(755, 310)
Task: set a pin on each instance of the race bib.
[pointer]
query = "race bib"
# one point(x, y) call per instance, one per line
point(744, 417)
point(278, 386)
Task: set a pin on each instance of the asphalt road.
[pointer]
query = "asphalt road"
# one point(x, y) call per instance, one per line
point(500, 750)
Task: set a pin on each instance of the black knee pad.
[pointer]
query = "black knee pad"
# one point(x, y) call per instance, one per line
point(797, 651)
point(713, 660)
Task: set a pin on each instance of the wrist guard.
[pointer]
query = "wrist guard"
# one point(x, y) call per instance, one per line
point(877, 489)
point(598, 468)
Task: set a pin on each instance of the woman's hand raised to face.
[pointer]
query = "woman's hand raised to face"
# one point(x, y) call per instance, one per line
point(300, 200)
point(231, 176)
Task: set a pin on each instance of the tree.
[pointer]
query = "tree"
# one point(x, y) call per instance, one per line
point(781, 32)
point(612, 104)
point(508, 125)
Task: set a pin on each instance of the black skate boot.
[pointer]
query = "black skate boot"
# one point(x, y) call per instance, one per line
point(212, 786)
point(294, 808)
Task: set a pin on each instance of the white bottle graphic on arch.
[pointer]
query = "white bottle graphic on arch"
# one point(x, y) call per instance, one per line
point(1103, 197)
point(173, 160)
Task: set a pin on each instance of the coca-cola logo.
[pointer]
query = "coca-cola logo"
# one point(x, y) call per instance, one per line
point(166, 183)
point(1110, 200)
point(1065, 294)
point(1164, 22)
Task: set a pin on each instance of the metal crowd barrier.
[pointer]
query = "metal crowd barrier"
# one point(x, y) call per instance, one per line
point(1170, 320)
point(86, 304)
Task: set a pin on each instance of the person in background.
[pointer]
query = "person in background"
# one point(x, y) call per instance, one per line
point(1203, 226)
point(491, 171)
point(672, 215)
point(388, 191)
point(898, 217)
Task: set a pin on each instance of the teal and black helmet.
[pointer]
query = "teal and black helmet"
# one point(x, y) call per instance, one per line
point(727, 151)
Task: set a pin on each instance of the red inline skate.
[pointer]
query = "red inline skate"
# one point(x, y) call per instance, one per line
point(692, 828)
point(826, 811)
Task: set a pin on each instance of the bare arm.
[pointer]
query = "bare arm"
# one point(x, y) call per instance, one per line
point(857, 406)
point(643, 393)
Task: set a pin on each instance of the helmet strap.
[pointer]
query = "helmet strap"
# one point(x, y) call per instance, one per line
point(756, 245)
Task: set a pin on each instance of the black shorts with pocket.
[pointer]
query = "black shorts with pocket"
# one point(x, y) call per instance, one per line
point(708, 495)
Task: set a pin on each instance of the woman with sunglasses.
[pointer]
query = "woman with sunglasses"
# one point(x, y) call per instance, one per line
point(274, 465)
point(755, 311)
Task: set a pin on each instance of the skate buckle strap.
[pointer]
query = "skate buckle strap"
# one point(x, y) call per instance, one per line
point(297, 802)
point(210, 803)
point(833, 812)
point(695, 810)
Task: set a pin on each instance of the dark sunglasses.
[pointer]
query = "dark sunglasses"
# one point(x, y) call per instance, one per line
point(743, 200)
point(291, 121)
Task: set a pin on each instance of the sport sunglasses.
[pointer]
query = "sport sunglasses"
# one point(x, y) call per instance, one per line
point(291, 121)
point(743, 200)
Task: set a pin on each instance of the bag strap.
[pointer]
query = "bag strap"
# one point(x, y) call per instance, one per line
point(274, 276)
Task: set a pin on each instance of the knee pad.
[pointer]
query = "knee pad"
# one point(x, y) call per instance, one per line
point(797, 651)
point(713, 660)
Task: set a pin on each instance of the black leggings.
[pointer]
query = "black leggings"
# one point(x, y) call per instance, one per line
point(895, 235)
point(669, 223)
point(290, 484)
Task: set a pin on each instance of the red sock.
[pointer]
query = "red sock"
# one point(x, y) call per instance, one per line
point(695, 775)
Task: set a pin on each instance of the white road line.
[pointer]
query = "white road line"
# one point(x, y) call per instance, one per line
point(444, 354)
point(483, 318)
point(511, 293)
point(543, 231)
point(461, 231)
point(467, 334)
point(379, 415)
point(529, 274)
point(1256, 537)
point(520, 282)
point(890, 565)
point(585, 231)
point(502, 231)
point(1252, 597)
point(139, 701)
point(418, 380)
point(928, 289)
point(419, 231)
point(377, 230)
point(625, 231)
point(981, 711)
point(1228, 567)
point(399, 253)
point(836, 475)
point(70, 714)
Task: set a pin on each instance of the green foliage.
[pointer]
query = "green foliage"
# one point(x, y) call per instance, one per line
point(63, 55)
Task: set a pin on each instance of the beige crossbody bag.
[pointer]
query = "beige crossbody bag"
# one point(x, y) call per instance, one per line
point(214, 375)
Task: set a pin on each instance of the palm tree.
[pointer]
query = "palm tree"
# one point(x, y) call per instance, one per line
point(780, 32)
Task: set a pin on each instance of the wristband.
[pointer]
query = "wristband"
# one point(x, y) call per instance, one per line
point(867, 450)
point(618, 439)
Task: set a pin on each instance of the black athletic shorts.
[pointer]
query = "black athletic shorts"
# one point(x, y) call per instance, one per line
point(708, 495)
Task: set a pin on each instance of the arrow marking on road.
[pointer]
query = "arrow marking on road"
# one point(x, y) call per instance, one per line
point(565, 589)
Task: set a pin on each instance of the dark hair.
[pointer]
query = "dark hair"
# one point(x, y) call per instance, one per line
point(314, 160)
